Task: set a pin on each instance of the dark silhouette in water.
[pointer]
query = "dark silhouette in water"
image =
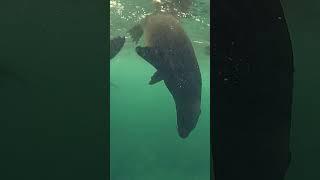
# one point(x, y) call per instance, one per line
point(252, 90)
point(170, 51)
point(116, 45)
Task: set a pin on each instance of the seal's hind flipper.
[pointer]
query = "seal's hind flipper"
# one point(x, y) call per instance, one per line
point(155, 78)
point(116, 45)
point(136, 33)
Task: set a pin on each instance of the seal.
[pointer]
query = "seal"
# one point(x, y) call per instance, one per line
point(116, 45)
point(169, 50)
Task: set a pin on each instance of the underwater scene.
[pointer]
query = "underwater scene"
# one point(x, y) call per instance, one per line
point(158, 131)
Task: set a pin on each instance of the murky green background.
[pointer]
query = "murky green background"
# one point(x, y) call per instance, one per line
point(144, 142)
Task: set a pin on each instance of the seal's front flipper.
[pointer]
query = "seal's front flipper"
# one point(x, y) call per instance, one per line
point(155, 78)
point(152, 56)
point(116, 45)
point(136, 33)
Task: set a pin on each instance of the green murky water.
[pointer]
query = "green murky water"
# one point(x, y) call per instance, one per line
point(144, 141)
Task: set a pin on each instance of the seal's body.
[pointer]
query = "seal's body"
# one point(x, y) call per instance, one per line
point(170, 51)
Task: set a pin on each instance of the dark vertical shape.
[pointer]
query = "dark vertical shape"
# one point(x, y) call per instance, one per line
point(53, 95)
point(116, 44)
point(106, 76)
point(252, 90)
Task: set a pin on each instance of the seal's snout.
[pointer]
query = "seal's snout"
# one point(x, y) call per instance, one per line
point(183, 133)
point(187, 119)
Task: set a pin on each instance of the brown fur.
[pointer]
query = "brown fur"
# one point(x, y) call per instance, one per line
point(163, 31)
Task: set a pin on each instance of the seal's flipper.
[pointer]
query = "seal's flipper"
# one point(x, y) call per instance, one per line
point(152, 55)
point(155, 78)
point(136, 33)
point(158, 58)
point(116, 45)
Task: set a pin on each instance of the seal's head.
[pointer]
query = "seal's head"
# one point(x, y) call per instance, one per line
point(187, 118)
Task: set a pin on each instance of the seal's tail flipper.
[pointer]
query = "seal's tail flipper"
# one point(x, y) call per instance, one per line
point(136, 33)
point(116, 45)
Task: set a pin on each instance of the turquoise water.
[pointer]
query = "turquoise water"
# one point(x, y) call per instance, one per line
point(144, 142)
